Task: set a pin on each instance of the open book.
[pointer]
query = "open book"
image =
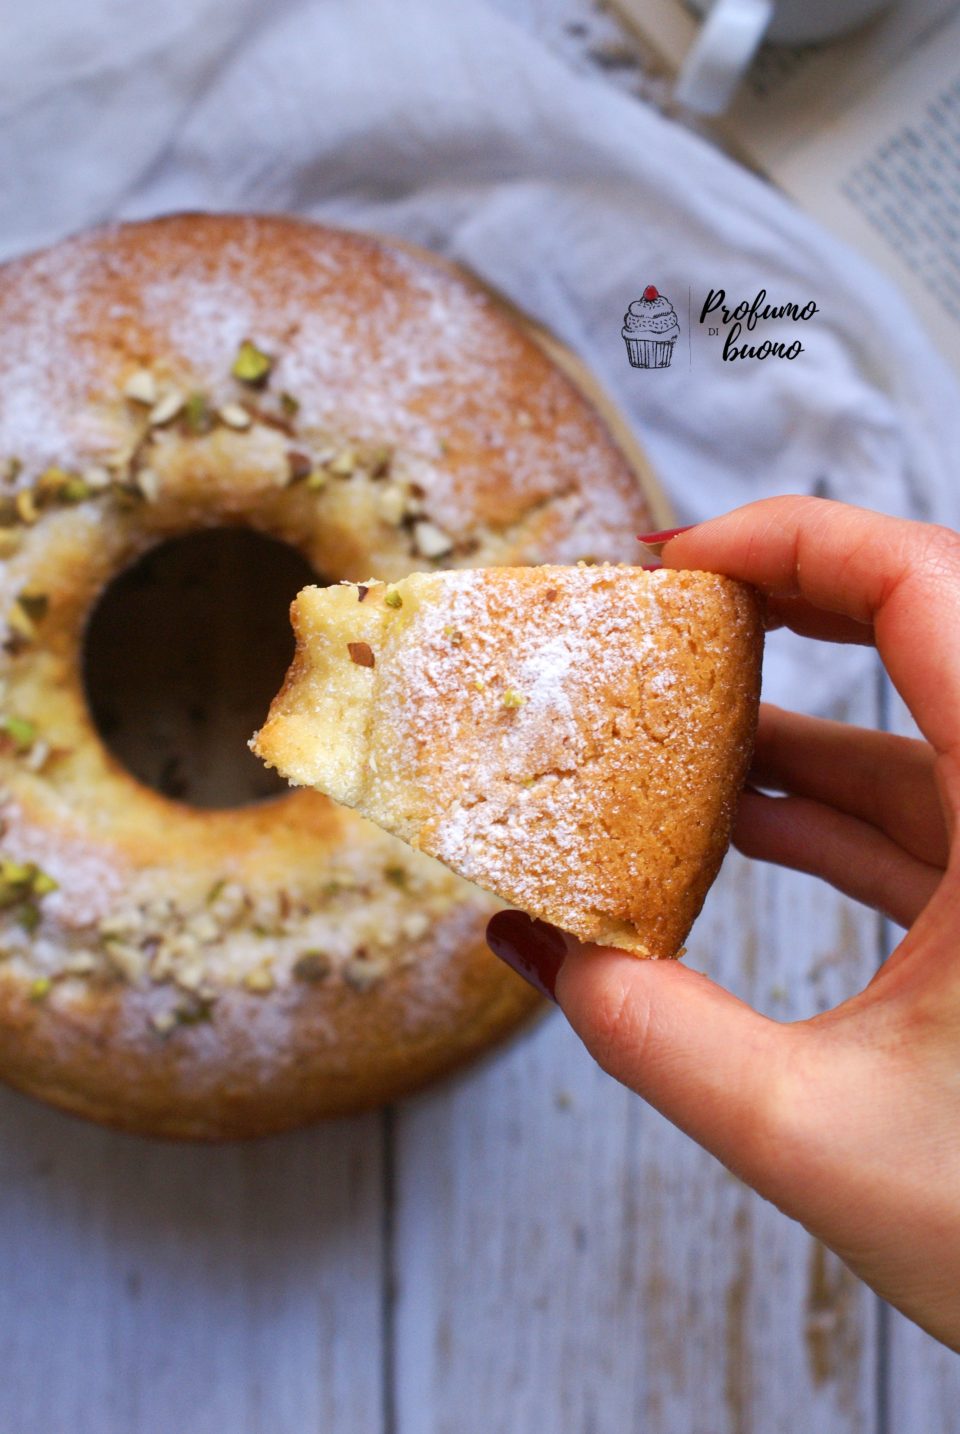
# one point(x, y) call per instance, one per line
point(864, 132)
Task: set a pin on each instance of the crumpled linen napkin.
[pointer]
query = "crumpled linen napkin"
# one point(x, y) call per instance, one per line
point(451, 126)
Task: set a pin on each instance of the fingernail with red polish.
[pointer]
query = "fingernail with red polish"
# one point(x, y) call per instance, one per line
point(652, 539)
point(534, 949)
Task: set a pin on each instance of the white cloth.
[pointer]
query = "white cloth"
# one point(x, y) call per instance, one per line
point(449, 125)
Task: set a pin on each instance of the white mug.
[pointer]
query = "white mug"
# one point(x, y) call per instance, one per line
point(733, 29)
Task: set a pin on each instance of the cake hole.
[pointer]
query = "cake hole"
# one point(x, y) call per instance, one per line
point(182, 655)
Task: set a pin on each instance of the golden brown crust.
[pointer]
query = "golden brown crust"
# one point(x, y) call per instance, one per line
point(571, 739)
point(156, 989)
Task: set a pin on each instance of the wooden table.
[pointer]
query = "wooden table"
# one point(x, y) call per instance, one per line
point(524, 1250)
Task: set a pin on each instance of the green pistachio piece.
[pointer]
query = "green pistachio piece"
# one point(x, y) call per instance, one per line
point(392, 598)
point(15, 873)
point(75, 490)
point(40, 988)
point(511, 698)
point(35, 605)
point(251, 365)
point(289, 404)
point(197, 416)
point(29, 917)
point(52, 482)
point(22, 733)
point(21, 880)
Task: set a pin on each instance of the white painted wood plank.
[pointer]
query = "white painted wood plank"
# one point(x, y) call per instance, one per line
point(923, 1378)
point(568, 1261)
point(151, 1288)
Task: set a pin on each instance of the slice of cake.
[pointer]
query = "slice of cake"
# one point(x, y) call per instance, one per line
point(572, 739)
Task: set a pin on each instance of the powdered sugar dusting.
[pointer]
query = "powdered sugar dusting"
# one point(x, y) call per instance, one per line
point(569, 729)
point(373, 342)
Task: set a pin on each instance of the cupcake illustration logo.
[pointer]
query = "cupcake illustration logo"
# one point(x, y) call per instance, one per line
point(650, 330)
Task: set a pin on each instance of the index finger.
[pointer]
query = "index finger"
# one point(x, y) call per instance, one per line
point(902, 578)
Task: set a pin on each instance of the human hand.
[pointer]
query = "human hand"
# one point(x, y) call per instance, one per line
point(848, 1121)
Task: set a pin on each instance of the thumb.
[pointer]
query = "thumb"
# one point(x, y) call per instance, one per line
point(703, 1058)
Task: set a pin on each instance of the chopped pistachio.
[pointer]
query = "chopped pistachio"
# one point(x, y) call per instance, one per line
point(392, 504)
point(125, 494)
point(96, 478)
point(289, 404)
point(397, 875)
point(312, 966)
point(392, 598)
point(22, 627)
point(20, 881)
point(120, 459)
point(234, 415)
point(260, 979)
point(40, 988)
point(479, 684)
point(163, 1022)
point(431, 541)
point(345, 463)
point(166, 409)
point(197, 415)
point(141, 387)
point(512, 698)
point(34, 605)
point(316, 480)
point(38, 756)
point(216, 890)
point(148, 483)
point(362, 972)
point(251, 364)
point(15, 873)
point(362, 654)
point(29, 917)
point(378, 461)
point(203, 927)
point(415, 925)
point(76, 490)
point(299, 465)
point(80, 964)
point(454, 634)
point(21, 732)
point(26, 507)
point(52, 482)
point(126, 960)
